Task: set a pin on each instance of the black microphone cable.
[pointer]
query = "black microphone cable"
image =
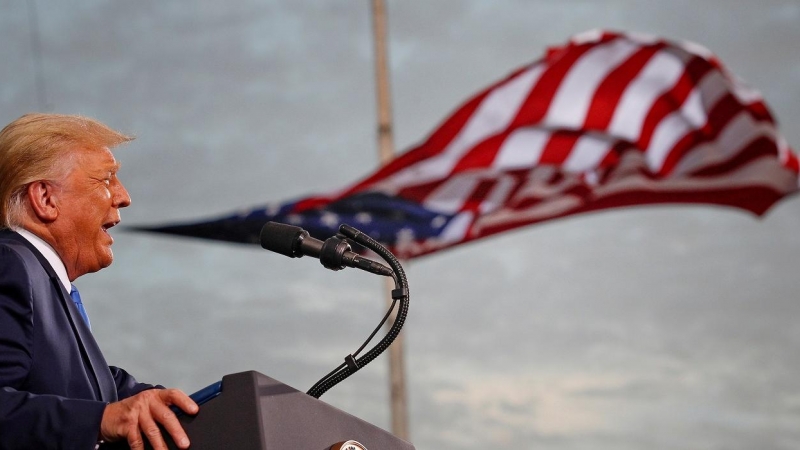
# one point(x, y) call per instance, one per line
point(400, 295)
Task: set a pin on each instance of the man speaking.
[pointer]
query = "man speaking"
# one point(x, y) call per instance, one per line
point(59, 196)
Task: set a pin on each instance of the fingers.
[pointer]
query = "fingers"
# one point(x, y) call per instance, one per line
point(170, 422)
point(150, 429)
point(178, 398)
point(141, 414)
point(135, 441)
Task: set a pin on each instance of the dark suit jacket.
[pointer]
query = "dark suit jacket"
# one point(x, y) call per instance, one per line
point(54, 381)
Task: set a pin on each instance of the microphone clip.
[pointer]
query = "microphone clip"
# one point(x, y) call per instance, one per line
point(333, 253)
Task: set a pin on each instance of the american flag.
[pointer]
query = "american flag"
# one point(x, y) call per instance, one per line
point(607, 120)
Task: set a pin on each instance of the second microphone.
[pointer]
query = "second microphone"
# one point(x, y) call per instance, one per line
point(334, 253)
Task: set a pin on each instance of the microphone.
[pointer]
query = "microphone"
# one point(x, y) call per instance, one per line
point(335, 253)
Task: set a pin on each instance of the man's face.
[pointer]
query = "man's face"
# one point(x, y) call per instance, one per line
point(89, 199)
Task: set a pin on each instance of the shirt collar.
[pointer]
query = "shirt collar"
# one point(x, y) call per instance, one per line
point(49, 254)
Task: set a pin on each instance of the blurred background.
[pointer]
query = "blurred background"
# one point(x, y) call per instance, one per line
point(653, 327)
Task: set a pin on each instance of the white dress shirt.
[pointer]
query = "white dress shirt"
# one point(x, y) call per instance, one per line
point(52, 257)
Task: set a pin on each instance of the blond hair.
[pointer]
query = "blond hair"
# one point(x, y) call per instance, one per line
point(40, 147)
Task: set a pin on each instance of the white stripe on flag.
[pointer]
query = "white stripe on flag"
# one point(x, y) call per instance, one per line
point(575, 93)
point(734, 137)
point(449, 197)
point(691, 116)
point(586, 154)
point(744, 93)
point(494, 115)
point(456, 230)
point(668, 132)
point(521, 149)
point(703, 98)
point(587, 37)
point(497, 197)
point(658, 76)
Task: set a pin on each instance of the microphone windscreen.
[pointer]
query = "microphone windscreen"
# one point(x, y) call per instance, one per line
point(280, 238)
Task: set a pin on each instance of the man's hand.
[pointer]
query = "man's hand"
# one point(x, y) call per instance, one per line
point(129, 418)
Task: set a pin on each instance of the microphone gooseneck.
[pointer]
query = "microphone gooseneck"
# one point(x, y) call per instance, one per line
point(335, 254)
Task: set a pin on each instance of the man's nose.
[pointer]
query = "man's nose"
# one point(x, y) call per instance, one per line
point(121, 197)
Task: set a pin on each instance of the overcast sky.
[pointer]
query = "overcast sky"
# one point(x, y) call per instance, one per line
point(657, 327)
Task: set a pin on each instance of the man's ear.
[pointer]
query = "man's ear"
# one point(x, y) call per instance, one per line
point(42, 198)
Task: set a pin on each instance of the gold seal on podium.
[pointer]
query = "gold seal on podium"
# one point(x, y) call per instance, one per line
point(348, 445)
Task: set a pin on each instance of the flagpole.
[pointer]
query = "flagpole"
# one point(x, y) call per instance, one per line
point(397, 382)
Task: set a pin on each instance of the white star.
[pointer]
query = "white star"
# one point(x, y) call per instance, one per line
point(272, 209)
point(438, 221)
point(405, 235)
point(329, 219)
point(363, 217)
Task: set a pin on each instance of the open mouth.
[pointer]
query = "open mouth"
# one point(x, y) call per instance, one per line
point(107, 226)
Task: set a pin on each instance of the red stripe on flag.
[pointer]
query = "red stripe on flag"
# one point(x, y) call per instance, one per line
point(760, 111)
point(541, 96)
point(558, 147)
point(671, 100)
point(483, 154)
point(473, 202)
point(611, 161)
point(311, 203)
point(608, 94)
point(722, 113)
point(756, 199)
point(758, 148)
point(792, 162)
point(419, 192)
point(434, 145)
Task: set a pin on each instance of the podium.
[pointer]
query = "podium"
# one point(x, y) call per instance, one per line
point(256, 412)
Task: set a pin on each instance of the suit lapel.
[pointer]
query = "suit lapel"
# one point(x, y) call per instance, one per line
point(96, 366)
point(92, 355)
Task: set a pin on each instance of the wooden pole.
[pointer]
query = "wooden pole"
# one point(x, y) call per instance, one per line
point(397, 382)
point(385, 139)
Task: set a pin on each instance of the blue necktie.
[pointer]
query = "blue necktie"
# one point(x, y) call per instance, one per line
point(76, 297)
